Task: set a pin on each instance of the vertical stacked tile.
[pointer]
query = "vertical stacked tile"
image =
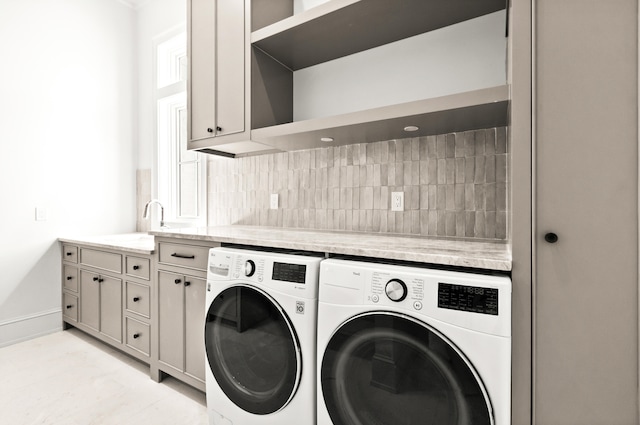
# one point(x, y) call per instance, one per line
point(455, 185)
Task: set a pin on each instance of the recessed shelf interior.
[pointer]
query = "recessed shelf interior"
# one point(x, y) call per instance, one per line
point(338, 28)
point(441, 67)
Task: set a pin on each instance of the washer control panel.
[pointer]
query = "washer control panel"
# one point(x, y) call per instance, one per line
point(389, 289)
point(289, 273)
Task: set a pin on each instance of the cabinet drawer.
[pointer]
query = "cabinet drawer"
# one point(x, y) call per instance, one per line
point(101, 260)
point(70, 278)
point(70, 307)
point(138, 267)
point(70, 253)
point(138, 299)
point(191, 256)
point(138, 335)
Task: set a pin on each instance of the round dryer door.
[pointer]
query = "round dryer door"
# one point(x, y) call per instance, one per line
point(388, 369)
point(252, 350)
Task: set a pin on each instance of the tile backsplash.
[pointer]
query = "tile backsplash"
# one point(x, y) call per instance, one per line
point(455, 185)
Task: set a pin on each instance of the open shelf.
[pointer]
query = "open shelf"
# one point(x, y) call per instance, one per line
point(471, 110)
point(342, 27)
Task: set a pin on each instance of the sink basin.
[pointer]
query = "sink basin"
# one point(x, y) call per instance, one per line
point(129, 237)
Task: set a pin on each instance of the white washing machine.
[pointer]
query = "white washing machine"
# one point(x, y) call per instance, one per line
point(407, 345)
point(260, 337)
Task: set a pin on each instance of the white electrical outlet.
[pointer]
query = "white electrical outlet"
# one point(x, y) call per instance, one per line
point(397, 201)
point(41, 214)
point(274, 201)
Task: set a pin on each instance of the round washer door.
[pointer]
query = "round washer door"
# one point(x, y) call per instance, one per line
point(389, 369)
point(252, 350)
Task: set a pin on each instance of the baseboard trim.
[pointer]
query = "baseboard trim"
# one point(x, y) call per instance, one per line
point(30, 326)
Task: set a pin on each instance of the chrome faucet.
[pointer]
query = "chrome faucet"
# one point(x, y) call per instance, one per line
point(146, 211)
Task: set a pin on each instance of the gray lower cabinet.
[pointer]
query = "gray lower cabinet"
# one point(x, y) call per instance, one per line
point(101, 307)
point(181, 277)
point(151, 307)
point(108, 294)
point(181, 322)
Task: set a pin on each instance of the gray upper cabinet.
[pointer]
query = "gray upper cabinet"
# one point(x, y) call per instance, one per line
point(344, 71)
point(218, 97)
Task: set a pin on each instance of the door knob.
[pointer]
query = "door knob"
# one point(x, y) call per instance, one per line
point(551, 237)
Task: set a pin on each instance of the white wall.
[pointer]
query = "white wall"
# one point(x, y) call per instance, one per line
point(67, 129)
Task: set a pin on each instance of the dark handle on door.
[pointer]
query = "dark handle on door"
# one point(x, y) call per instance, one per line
point(177, 281)
point(210, 130)
point(187, 283)
point(136, 267)
point(191, 257)
point(95, 279)
point(69, 254)
point(218, 128)
point(136, 299)
point(69, 277)
point(551, 237)
point(69, 306)
point(100, 280)
point(136, 336)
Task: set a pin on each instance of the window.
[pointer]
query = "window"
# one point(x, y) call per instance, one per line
point(180, 174)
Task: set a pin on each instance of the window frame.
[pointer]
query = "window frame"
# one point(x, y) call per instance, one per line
point(172, 97)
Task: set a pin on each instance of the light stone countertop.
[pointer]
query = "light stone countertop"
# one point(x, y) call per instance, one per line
point(462, 253)
point(138, 243)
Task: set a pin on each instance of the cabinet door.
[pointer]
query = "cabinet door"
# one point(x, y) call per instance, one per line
point(586, 281)
point(230, 66)
point(111, 307)
point(202, 75)
point(217, 68)
point(90, 299)
point(171, 319)
point(195, 294)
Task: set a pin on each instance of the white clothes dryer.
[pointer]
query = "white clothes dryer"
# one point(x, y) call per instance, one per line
point(411, 345)
point(260, 337)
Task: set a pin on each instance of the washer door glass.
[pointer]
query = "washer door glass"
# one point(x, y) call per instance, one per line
point(388, 369)
point(252, 350)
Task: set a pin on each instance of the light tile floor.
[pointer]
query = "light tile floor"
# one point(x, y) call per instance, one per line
point(70, 378)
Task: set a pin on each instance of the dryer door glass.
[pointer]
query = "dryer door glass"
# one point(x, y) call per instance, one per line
point(252, 350)
point(386, 369)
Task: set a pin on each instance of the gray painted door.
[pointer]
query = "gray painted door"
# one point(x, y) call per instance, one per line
point(585, 294)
